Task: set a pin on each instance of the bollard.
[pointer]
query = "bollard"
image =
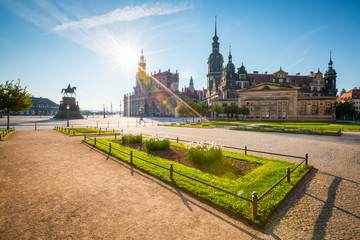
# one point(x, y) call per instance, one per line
point(171, 171)
point(84, 137)
point(245, 150)
point(73, 133)
point(177, 139)
point(288, 174)
point(115, 135)
point(131, 157)
point(35, 126)
point(100, 131)
point(109, 148)
point(0, 137)
point(306, 159)
point(254, 204)
point(95, 141)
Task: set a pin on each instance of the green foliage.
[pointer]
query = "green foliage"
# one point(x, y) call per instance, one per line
point(182, 110)
point(14, 98)
point(84, 131)
point(218, 109)
point(154, 144)
point(259, 180)
point(345, 109)
point(204, 154)
point(290, 131)
point(131, 139)
point(222, 123)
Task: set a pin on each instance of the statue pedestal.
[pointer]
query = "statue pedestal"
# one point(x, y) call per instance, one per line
point(73, 112)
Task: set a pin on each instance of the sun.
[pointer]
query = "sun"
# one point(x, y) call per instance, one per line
point(128, 57)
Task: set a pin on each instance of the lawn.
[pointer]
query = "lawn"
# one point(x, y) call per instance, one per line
point(190, 125)
point(259, 178)
point(84, 131)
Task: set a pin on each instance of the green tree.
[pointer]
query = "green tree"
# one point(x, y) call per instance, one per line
point(14, 98)
point(244, 111)
point(345, 109)
point(182, 110)
point(217, 108)
point(232, 110)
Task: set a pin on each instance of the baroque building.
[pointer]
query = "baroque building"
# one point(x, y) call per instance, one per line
point(275, 97)
point(154, 94)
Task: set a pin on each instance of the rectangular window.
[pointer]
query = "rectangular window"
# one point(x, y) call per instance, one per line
point(314, 108)
point(246, 85)
point(238, 84)
point(282, 109)
point(251, 107)
point(265, 109)
point(302, 108)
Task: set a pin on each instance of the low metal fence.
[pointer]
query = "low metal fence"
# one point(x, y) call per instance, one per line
point(6, 132)
point(254, 200)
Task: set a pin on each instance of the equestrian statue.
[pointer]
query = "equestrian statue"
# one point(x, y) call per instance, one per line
point(69, 90)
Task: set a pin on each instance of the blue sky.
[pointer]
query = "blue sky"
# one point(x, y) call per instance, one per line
point(94, 45)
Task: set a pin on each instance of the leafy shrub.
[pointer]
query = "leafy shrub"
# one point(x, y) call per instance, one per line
point(172, 124)
point(204, 154)
point(193, 123)
point(130, 139)
point(182, 123)
point(153, 144)
point(205, 123)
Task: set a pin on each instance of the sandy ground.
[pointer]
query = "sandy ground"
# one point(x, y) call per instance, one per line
point(54, 187)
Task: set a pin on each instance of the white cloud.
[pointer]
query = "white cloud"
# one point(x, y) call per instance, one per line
point(124, 14)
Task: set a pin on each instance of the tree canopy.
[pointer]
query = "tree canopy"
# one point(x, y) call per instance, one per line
point(14, 98)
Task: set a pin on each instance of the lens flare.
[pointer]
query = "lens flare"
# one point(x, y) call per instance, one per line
point(240, 192)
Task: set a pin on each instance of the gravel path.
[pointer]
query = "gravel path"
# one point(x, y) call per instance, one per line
point(54, 187)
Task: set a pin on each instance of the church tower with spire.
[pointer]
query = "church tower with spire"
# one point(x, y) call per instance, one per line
point(215, 63)
point(330, 80)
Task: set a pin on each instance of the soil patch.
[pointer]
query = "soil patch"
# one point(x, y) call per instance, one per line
point(227, 167)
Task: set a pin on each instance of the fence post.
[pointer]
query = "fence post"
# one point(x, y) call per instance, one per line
point(0, 137)
point(115, 135)
point(254, 204)
point(35, 126)
point(73, 133)
point(97, 124)
point(108, 123)
point(131, 157)
point(177, 139)
point(84, 136)
point(245, 150)
point(95, 141)
point(109, 147)
point(288, 174)
point(306, 159)
point(171, 171)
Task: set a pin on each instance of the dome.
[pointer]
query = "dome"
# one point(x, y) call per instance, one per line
point(216, 55)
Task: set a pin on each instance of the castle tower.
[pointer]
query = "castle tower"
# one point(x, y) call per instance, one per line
point(330, 80)
point(215, 63)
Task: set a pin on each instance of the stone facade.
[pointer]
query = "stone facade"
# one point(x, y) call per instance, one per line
point(278, 102)
point(268, 92)
point(154, 95)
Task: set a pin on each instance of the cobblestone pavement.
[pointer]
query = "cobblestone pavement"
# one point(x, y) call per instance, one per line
point(325, 206)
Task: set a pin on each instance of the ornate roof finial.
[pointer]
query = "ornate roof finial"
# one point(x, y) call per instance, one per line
point(215, 38)
point(215, 25)
point(191, 82)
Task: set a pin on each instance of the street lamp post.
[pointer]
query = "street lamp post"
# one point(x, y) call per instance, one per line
point(67, 107)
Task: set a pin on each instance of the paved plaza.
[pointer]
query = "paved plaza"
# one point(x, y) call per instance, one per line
point(54, 186)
